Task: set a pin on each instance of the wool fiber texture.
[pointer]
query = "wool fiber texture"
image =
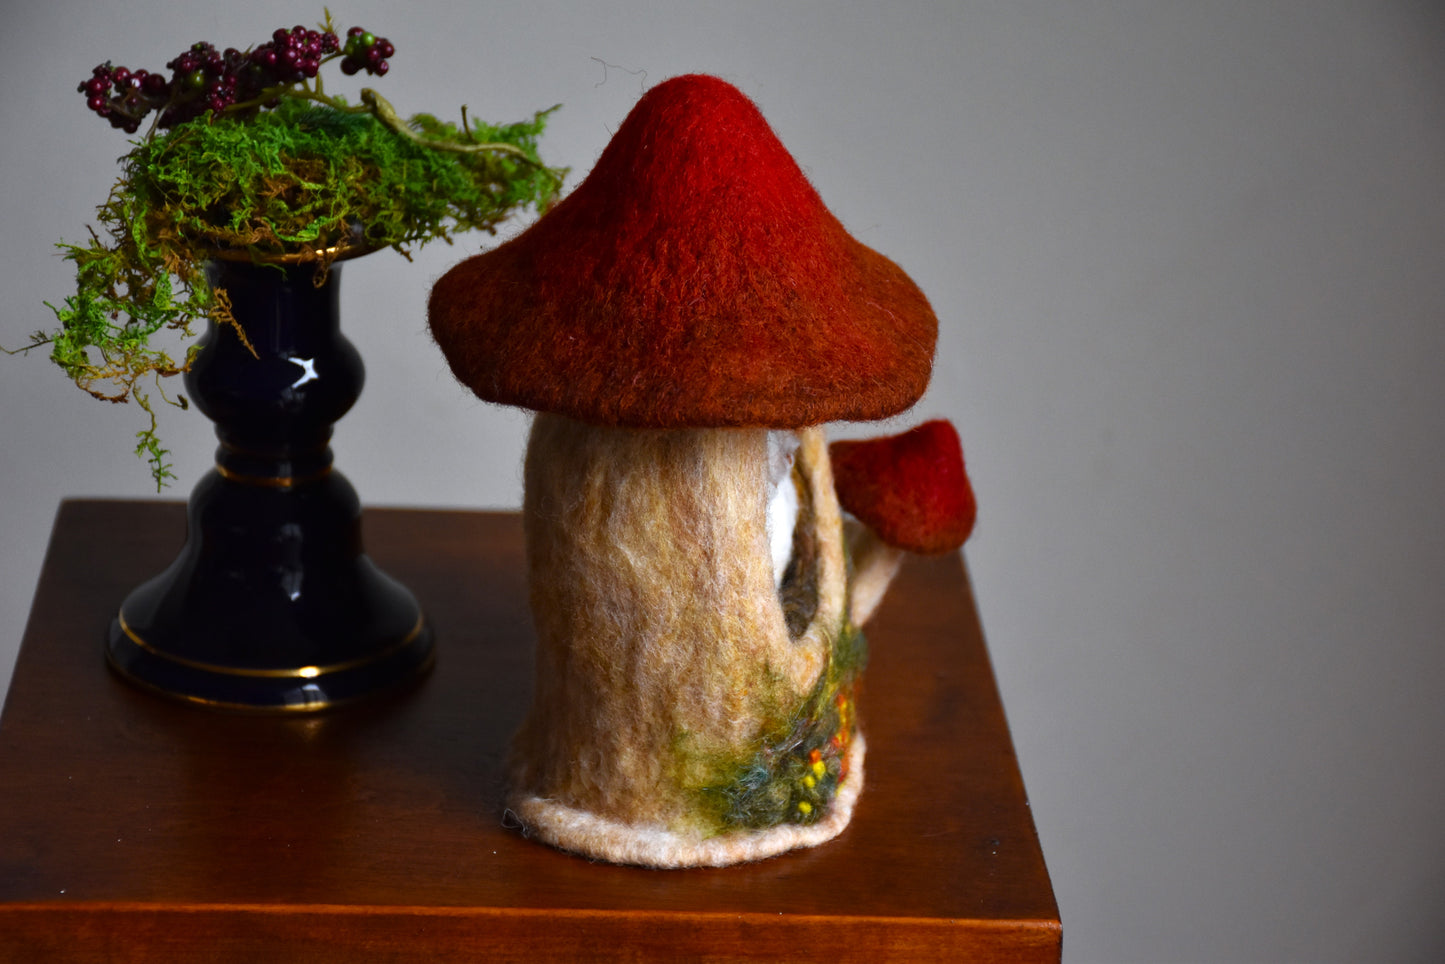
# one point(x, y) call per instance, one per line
point(875, 564)
point(665, 663)
point(694, 279)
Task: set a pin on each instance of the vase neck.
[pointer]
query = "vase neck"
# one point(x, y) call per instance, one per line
point(275, 395)
point(281, 307)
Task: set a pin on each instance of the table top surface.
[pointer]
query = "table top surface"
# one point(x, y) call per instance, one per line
point(121, 802)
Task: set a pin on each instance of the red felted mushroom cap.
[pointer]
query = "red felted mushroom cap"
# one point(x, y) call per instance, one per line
point(693, 279)
point(910, 489)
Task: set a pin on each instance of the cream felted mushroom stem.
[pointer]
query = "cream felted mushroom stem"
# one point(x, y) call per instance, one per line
point(690, 297)
point(668, 675)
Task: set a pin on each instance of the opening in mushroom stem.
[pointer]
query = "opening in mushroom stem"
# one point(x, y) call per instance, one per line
point(782, 499)
point(792, 533)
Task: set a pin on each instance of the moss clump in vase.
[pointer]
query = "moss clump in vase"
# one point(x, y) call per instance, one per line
point(251, 182)
point(247, 156)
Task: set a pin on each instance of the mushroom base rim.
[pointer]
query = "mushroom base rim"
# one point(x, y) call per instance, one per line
point(597, 837)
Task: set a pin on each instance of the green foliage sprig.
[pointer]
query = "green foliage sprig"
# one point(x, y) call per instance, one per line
point(290, 174)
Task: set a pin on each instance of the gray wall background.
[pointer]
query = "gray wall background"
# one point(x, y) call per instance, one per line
point(1188, 263)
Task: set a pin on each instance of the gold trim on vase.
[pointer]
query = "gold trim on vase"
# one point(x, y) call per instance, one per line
point(271, 481)
point(299, 672)
point(280, 709)
point(338, 252)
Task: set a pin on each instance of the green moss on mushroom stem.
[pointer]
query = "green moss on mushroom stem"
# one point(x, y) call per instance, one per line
point(794, 774)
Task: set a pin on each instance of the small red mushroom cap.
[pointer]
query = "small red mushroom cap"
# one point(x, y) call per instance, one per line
point(694, 279)
point(910, 489)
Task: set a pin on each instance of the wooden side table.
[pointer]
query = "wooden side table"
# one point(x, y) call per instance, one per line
point(133, 828)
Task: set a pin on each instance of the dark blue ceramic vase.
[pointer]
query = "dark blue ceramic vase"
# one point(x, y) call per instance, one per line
point(272, 604)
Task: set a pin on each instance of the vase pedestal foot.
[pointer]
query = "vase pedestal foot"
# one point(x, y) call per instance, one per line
point(271, 605)
point(294, 689)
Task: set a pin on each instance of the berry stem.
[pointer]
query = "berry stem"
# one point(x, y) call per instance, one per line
point(387, 114)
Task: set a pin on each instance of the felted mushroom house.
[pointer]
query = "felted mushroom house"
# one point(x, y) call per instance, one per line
point(683, 324)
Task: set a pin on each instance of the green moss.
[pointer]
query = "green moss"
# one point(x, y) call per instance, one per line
point(792, 775)
point(311, 178)
point(306, 176)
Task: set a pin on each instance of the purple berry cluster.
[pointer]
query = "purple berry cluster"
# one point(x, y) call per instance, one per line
point(124, 96)
point(366, 51)
point(205, 79)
